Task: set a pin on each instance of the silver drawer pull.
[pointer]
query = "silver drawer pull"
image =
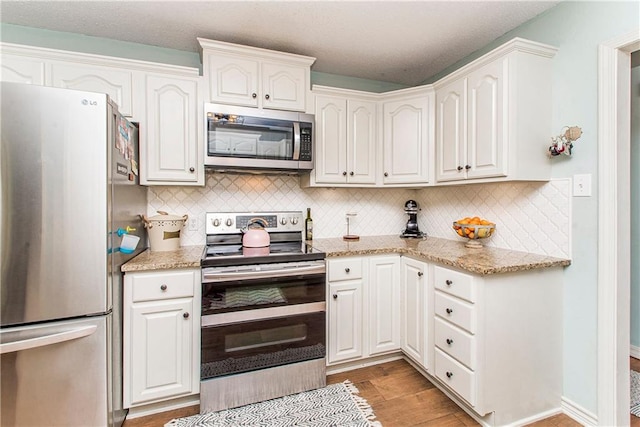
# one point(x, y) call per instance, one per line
point(449, 341)
point(449, 310)
point(449, 374)
point(163, 288)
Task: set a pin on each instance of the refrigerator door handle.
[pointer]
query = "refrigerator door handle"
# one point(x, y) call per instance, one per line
point(46, 340)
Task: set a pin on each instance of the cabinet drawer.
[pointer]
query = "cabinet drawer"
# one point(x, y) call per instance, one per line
point(456, 343)
point(454, 283)
point(345, 269)
point(159, 285)
point(457, 377)
point(456, 311)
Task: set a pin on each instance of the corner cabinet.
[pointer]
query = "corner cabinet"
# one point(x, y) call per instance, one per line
point(345, 136)
point(254, 77)
point(414, 299)
point(384, 304)
point(494, 116)
point(161, 342)
point(172, 153)
point(408, 132)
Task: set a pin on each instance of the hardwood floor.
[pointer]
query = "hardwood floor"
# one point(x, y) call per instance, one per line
point(399, 396)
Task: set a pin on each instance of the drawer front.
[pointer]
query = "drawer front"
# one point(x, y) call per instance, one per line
point(345, 269)
point(456, 311)
point(162, 285)
point(455, 283)
point(456, 343)
point(457, 377)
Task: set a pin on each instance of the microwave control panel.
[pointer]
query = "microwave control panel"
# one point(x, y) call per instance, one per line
point(306, 146)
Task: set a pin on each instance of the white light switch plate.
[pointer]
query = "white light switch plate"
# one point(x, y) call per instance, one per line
point(582, 185)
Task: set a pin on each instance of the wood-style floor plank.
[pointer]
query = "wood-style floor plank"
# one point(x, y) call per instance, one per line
point(400, 397)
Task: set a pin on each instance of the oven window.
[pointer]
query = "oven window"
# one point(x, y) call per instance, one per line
point(249, 346)
point(272, 139)
point(237, 295)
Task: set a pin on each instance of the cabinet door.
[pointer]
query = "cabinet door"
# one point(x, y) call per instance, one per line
point(406, 141)
point(117, 83)
point(283, 86)
point(161, 346)
point(20, 69)
point(361, 142)
point(331, 140)
point(451, 126)
point(233, 80)
point(170, 152)
point(345, 321)
point(384, 303)
point(486, 136)
point(413, 315)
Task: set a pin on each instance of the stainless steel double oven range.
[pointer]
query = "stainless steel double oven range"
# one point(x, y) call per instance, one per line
point(263, 312)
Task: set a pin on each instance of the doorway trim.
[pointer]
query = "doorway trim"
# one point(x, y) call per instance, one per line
point(614, 71)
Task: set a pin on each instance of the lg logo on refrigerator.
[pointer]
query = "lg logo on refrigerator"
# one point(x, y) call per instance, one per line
point(88, 102)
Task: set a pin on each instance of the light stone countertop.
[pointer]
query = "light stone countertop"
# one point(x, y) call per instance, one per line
point(486, 260)
point(452, 253)
point(185, 257)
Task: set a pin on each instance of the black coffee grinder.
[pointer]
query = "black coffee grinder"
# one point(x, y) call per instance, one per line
point(411, 208)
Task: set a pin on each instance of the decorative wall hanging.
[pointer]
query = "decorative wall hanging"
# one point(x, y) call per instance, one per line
point(562, 144)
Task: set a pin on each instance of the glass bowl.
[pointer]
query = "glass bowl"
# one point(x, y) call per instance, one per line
point(474, 232)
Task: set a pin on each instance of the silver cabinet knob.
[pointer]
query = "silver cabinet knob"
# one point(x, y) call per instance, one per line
point(351, 173)
point(192, 169)
point(449, 341)
point(386, 174)
point(267, 96)
point(185, 315)
point(420, 274)
point(347, 270)
point(449, 310)
point(449, 374)
point(448, 282)
point(335, 296)
point(459, 168)
point(344, 173)
point(254, 95)
point(163, 287)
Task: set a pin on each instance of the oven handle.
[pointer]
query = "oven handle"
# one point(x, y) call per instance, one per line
point(261, 314)
point(225, 276)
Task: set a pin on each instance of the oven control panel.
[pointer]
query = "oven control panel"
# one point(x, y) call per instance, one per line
point(234, 222)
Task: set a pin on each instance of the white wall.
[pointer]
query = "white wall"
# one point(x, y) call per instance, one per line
point(635, 203)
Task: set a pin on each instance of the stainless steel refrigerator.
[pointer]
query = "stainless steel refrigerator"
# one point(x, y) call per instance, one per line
point(69, 190)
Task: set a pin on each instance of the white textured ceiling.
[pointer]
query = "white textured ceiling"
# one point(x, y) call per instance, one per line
point(395, 41)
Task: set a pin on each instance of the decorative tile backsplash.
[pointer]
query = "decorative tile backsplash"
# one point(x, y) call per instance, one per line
point(531, 217)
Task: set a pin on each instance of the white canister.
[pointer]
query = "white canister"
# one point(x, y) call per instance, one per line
point(164, 231)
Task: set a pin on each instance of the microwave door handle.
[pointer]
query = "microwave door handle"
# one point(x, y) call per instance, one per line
point(296, 141)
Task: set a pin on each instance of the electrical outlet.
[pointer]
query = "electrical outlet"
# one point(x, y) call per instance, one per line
point(582, 185)
point(193, 224)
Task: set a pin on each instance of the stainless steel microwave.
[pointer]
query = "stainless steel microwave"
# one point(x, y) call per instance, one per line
point(256, 140)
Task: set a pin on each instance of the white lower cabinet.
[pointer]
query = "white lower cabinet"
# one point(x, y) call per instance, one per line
point(384, 304)
point(498, 341)
point(344, 309)
point(161, 335)
point(414, 300)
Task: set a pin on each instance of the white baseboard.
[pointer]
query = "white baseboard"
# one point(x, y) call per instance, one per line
point(578, 413)
point(635, 352)
point(168, 405)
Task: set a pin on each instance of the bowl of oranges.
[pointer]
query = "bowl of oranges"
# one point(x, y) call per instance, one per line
point(474, 228)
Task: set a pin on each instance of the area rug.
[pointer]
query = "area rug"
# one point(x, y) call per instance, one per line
point(635, 393)
point(334, 405)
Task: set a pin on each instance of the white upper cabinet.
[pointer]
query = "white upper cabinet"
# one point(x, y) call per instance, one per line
point(115, 82)
point(493, 116)
point(345, 137)
point(165, 100)
point(16, 68)
point(172, 152)
point(254, 77)
point(407, 138)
